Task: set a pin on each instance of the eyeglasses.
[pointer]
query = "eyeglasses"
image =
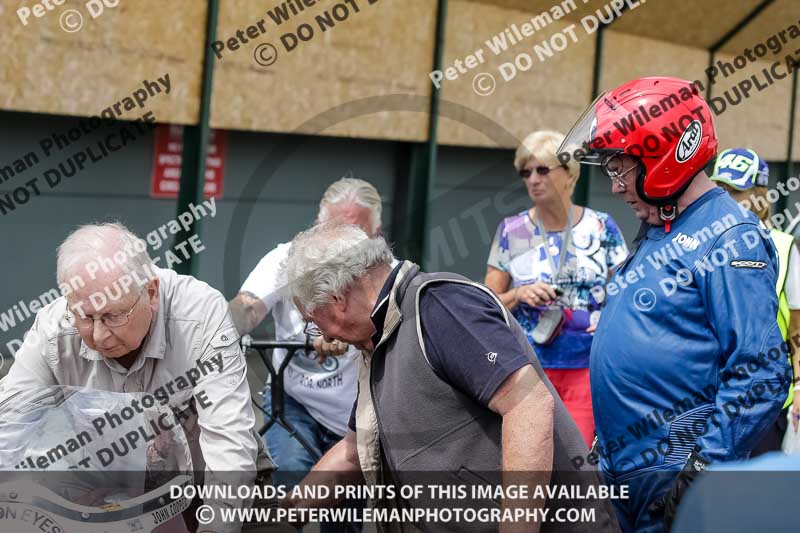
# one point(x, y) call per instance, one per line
point(613, 166)
point(312, 330)
point(112, 321)
point(541, 170)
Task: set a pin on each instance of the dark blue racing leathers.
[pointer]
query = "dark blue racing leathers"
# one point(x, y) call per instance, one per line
point(687, 354)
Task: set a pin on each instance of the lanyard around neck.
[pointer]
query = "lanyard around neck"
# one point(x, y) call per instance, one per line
point(566, 241)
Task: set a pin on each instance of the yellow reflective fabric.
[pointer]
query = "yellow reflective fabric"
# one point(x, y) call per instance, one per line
point(783, 243)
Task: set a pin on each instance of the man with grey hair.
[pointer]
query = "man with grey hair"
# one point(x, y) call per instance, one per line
point(449, 385)
point(124, 325)
point(321, 392)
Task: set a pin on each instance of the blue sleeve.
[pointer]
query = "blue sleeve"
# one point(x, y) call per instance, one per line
point(467, 341)
point(742, 305)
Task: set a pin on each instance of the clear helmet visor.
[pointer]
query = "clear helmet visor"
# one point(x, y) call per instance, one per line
point(577, 144)
point(605, 128)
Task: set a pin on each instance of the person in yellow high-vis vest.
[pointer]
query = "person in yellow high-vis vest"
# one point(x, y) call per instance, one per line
point(745, 176)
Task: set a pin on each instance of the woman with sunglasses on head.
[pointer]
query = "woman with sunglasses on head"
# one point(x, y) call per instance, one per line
point(552, 294)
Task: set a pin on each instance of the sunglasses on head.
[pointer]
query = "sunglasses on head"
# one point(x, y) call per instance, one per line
point(541, 170)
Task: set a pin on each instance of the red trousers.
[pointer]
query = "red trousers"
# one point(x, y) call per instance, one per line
point(572, 384)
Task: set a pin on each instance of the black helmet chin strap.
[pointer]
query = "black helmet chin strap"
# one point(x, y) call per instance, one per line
point(668, 213)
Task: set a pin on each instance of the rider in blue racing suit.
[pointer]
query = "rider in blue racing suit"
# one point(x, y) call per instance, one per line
point(688, 365)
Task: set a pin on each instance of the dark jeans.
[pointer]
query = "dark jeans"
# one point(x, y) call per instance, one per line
point(292, 459)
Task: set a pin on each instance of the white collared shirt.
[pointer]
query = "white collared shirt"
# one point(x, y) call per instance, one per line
point(192, 330)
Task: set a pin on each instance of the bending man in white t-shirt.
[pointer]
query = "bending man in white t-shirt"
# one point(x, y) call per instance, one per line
point(320, 391)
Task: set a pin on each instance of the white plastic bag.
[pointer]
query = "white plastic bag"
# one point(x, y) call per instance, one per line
point(791, 440)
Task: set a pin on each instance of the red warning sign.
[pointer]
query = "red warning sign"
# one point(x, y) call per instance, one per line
point(166, 177)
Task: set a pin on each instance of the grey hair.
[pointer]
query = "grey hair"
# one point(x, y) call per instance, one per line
point(350, 190)
point(325, 260)
point(108, 245)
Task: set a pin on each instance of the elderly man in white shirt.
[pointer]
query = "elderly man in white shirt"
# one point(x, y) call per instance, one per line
point(321, 391)
point(125, 325)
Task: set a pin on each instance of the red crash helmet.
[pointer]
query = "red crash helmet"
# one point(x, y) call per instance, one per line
point(663, 122)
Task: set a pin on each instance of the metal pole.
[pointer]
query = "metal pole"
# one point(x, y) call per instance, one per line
point(780, 205)
point(412, 194)
point(195, 143)
point(709, 79)
point(433, 127)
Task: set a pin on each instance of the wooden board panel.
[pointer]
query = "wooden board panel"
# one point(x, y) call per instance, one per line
point(382, 49)
point(627, 57)
point(45, 69)
point(796, 143)
point(760, 121)
point(697, 23)
point(548, 95)
point(352, 71)
point(581, 7)
point(771, 115)
point(771, 21)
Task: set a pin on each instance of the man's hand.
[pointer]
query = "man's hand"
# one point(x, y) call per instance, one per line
point(162, 447)
point(247, 311)
point(339, 466)
point(328, 349)
point(795, 410)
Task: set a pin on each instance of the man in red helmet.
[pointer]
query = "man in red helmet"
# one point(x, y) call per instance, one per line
point(688, 366)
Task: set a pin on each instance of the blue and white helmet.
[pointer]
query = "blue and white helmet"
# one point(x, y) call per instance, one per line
point(741, 168)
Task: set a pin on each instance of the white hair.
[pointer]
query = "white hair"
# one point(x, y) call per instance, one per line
point(108, 246)
point(350, 190)
point(325, 260)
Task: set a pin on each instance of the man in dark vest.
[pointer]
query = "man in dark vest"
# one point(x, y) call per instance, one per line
point(450, 394)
